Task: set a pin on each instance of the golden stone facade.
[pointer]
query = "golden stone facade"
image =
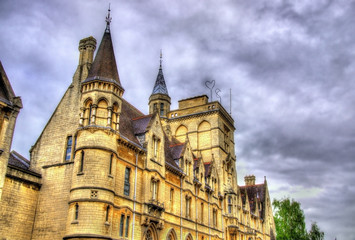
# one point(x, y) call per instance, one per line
point(101, 169)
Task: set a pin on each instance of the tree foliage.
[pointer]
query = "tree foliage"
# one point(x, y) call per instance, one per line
point(289, 220)
point(315, 233)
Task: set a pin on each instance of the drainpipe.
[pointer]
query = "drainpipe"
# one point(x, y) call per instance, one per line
point(181, 179)
point(209, 216)
point(134, 196)
point(196, 206)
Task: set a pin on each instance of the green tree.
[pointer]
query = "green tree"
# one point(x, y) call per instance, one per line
point(289, 220)
point(315, 233)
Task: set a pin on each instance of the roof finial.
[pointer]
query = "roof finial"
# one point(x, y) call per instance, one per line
point(161, 57)
point(108, 19)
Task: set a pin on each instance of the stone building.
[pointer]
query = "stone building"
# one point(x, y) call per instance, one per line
point(101, 169)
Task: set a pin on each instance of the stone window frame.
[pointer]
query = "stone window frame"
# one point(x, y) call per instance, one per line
point(127, 184)
point(68, 146)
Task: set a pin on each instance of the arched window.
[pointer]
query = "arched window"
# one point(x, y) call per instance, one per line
point(189, 237)
point(88, 112)
point(114, 116)
point(101, 113)
point(180, 133)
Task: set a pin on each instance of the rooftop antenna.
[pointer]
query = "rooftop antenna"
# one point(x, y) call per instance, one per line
point(108, 19)
point(230, 101)
point(218, 91)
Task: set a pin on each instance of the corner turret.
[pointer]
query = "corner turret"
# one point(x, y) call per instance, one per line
point(159, 100)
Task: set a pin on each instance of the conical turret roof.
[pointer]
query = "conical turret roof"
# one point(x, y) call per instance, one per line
point(104, 66)
point(160, 86)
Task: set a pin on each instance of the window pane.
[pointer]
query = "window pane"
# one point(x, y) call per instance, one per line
point(68, 149)
point(127, 226)
point(121, 225)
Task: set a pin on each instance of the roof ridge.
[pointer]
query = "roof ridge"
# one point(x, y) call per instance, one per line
point(141, 117)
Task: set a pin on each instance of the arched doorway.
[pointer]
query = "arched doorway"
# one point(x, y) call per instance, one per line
point(171, 235)
point(189, 237)
point(150, 233)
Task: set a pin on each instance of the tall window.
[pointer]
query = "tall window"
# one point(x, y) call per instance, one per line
point(229, 205)
point(156, 142)
point(107, 213)
point(188, 207)
point(127, 227)
point(161, 109)
point(154, 188)
point(90, 114)
point(121, 225)
point(155, 107)
point(81, 167)
point(215, 217)
point(76, 211)
point(69, 147)
point(126, 181)
point(110, 166)
point(201, 215)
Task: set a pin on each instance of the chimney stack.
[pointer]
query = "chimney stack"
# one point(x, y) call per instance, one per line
point(249, 180)
point(87, 47)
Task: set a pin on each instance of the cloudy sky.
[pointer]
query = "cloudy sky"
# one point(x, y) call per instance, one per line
point(290, 66)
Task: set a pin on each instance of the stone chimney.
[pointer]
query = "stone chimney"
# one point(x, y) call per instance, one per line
point(249, 180)
point(87, 47)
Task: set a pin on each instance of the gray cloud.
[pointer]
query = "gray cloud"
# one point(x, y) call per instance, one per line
point(289, 64)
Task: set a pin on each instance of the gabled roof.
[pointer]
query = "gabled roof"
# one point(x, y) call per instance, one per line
point(128, 113)
point(6, 92)
point(160, 86)
point(104, 66)
point(18, 160)
point(255, 193)
point(141, 123)
point(171, 151)
point(177, 150)
point(208, 169)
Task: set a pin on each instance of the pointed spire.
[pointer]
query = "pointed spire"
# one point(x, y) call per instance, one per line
point(104, 66)
point(160, 86)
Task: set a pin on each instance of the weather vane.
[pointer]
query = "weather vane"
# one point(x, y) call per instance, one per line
point(108, 18)
point(210, 85)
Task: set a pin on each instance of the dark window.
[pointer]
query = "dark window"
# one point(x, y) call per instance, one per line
point(81, 168)
point(110, 167)
point(127, 227)
point(155, 108)
point(76, 211)
point(126, 181)
point(69, 146)
point(121, 225)
point(90, 112)
point(107, 212)
point(161, 109)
